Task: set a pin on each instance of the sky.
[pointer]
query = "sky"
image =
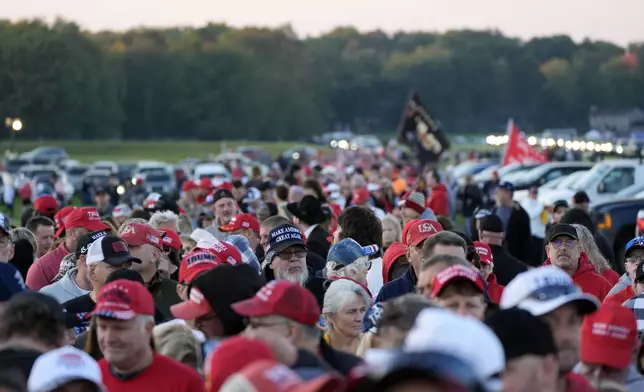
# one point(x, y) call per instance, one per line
point(618, 21)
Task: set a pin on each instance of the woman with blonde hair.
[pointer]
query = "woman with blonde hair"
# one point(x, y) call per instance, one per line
point(345, 303)
point(391, 231)
point(597, 260)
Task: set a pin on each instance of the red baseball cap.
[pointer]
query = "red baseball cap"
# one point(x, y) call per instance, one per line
point(241, 221)
point(484, 251)
point(608, 336)
point(87, 217)
point(196, 306)
point(360, 196)
point(282, 298)
point(189, 185)
point(455, 273)
point(272, 376)
point(137, 234)
point(206, 183)
point(231, 356)
point(61, 217)
point(46, 204)
point(124, 300)
point(194, 263)
point(171, 238)
point(225, 252)
point(418, 230)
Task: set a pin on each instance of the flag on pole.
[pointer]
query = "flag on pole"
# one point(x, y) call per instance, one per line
point(518, 150)
point(420, 130)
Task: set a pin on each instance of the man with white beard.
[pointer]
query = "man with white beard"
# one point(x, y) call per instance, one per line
point(286, 260)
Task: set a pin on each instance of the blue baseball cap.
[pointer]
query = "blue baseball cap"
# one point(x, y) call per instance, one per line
point(348, 250)
point(508, 186)
point(11, 282)
point(635, 243)
point(5, 224)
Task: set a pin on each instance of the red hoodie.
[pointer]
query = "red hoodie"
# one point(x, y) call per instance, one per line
point(621, 296)
point(589, 280)
point(494, 289)
point(393, 253)
point(611, 276)
point(439, 201)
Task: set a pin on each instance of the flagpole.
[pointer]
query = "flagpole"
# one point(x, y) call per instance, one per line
point(508, 132)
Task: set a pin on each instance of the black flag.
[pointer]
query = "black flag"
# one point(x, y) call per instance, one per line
point(420, 130)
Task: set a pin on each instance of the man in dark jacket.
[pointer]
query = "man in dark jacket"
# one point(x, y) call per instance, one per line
point(282, 302)
point(506, 267)
point(286, 259)
point(471, 198)
point(516, 222)
point(308, 215)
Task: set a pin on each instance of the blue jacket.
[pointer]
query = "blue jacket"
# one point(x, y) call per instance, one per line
point(398, 287)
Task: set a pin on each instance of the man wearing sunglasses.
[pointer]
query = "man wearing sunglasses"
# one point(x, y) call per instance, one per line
point(564, 251)
point(551, 294)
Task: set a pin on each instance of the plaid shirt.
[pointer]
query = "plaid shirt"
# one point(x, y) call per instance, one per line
point(636, 304)
point(243, 246)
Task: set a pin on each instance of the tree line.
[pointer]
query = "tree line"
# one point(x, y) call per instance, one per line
point(218, 82)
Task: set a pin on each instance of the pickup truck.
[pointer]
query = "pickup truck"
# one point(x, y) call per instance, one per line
point(616, 220)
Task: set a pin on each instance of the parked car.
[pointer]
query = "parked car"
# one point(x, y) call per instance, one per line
point(159, 182)
point(607, 178)
point(45, 154)
point(143, 168)
point(213, 170)
point(256, 154)
point(548, 172)
point(367, 144)
point(616, 220)
point(39, 174)
point(13, 165)
point(110, 166)
point(550, 193)
point(76, 175)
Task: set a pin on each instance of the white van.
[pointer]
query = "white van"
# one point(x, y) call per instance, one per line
point(607, 178)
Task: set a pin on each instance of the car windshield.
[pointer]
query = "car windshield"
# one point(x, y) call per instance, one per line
point(77, 171)
point(14, 165)
point(466, 168)
point(552, 184)
point(592, 177)
point(158, 177)
point(570, 181)
point(39, 173)
point(631, 191)
point(533, 175)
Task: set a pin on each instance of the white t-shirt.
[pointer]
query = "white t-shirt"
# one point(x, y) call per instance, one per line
point(374, 276)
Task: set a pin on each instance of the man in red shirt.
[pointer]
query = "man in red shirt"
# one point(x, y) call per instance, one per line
point(124, 316)
point(80, 222)
point(438, 199)
point(564, 251)
point(494, 289)
point(633, 258)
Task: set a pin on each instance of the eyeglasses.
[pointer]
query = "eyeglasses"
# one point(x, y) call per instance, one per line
point(567, 243)
point(548, 293)
point(288, 254)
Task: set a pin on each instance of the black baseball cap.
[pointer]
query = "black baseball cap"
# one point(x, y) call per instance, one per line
point(222, 194)
point(492, 223)
point(109, 249)
point(85, 241)
point(521, 333)
point(216, 290)
point(561, 229)
point(581, 197)
point(283, 237)
point(560, 203)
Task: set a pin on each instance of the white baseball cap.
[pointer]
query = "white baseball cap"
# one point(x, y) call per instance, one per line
point(201, 234)
point(463, 337)
point(544, 289)
point(61, 366)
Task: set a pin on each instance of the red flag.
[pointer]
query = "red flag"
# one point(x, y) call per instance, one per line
point(518, 150)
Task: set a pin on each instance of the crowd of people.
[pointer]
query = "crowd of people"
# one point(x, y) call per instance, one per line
point(318, 282)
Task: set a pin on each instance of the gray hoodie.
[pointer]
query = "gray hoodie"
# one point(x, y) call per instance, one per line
point(65, 289)
point(214, 230)
point(623, 282)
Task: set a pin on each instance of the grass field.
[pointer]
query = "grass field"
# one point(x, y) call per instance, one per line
point(167, 151)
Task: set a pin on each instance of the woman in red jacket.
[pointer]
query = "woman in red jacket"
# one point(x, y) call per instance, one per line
point(486, 259)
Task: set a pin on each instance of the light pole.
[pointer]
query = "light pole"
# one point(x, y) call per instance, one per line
point(14, 125)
